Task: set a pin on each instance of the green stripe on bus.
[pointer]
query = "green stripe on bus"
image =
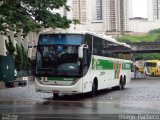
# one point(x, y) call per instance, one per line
point(99, 64)
point(102, 64)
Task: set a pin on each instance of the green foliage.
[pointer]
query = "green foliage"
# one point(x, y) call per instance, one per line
point(18, 58)
point(154, 31)
point(28, 15)
point(10, 47)
point(142, 38)
point(138, 38)
point(75, 21)
point(22, 62)
point(158, 38)
point(148, 56)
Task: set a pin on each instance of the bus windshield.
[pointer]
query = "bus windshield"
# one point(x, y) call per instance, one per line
point(57, 55)
point(150, 64)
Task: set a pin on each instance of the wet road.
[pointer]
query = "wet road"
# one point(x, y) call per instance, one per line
point(139, 97)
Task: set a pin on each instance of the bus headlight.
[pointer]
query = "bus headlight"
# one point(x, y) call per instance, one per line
point(74, 82)
point(43, 79)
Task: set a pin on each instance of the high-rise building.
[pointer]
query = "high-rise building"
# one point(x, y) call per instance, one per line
point(107, 15)
point(154, 9)
point(99, 9)
point(130, 8)
point(116, 15)
point(79, 10)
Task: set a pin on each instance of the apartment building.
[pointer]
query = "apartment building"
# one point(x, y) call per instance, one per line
point(100, 15)
point(97, 13)
point(116, 14)
point(79, 10)
point(154, 9)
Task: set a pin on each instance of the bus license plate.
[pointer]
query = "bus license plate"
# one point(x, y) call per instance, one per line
point(55, 91)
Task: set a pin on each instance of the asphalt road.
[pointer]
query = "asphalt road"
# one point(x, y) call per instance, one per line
point(141, 96)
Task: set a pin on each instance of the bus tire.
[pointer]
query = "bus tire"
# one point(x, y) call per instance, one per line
point(124, 81)
point(94, 88)
point(121, 84)
point(153, 74)
point(55, 95)
point(145, 73)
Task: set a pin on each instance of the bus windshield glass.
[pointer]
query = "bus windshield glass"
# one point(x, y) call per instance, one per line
point(57, 55)
point(60, 39)
point(150, 64)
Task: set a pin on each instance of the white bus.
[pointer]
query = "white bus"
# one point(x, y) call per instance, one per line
point(80, 62)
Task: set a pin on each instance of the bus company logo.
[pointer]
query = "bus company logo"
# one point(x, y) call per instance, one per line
point(94, 63)
point(127, 66)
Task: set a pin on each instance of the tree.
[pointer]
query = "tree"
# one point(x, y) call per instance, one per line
point(22, 62)
point(10, 47)
point(18, 58)
point(28, 15)
point(154, 31)
point(75, 21)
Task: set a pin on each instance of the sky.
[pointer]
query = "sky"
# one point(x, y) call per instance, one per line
point(139, 8)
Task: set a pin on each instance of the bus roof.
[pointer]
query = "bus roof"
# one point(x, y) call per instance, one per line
point(103, 36)
point(152, 61)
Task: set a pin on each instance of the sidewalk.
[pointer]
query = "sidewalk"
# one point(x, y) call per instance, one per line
point(29, 78)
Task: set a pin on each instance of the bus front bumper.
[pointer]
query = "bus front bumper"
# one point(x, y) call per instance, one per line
point(76, 88)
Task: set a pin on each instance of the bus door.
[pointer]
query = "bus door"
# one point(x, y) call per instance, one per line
point(158, 66)
point(85, 61)
point(146, 69)
point(83, 55)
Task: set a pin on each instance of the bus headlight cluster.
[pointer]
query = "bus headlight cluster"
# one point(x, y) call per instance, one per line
point(44, 79)
point(74, 82)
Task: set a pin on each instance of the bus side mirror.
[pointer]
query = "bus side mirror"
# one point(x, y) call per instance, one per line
point(80, 50)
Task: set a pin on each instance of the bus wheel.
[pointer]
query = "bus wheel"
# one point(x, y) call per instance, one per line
point(124, 82)
point(121, 84)
point(55, 95)
point(94, 89)
point(145, 73)
point(153, 74)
